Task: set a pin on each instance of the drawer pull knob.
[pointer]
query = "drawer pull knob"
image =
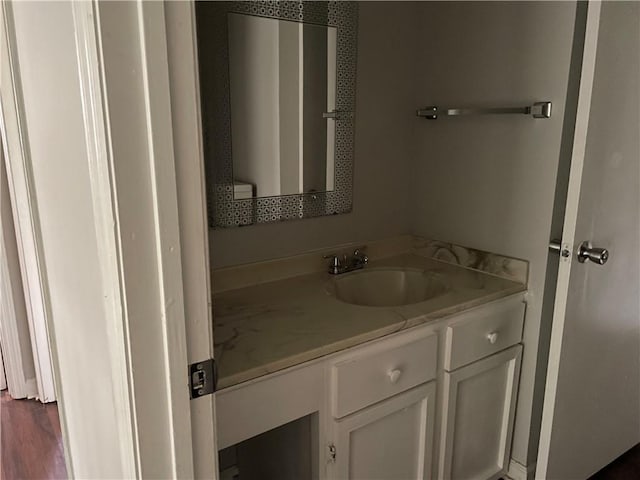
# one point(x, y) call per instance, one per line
point(492, 337)
point(394, 375)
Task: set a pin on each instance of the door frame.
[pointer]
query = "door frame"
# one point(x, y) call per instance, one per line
point(159, 343)
point(14, 375)
point(25, 214)
point(184, 86)
point(568, 232)
point(112, 181)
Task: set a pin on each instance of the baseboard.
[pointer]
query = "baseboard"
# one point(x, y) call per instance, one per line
point(31, 388)
point(517, 471)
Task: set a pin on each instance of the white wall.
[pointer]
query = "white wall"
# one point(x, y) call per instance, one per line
point(382, 151)
point(489, 182)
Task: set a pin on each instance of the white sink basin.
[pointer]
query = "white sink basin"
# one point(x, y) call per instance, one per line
point(386, 287)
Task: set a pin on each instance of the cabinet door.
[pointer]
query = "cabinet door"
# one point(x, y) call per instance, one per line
point(477, 415)
point(391, 440)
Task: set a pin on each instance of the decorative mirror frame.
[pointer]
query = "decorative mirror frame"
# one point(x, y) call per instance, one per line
point(223, 210)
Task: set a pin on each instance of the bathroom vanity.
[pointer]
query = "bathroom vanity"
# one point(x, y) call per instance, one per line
point(406, 368)
point(419, 390)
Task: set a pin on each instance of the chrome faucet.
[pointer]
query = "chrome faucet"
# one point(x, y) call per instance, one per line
point(347, 263)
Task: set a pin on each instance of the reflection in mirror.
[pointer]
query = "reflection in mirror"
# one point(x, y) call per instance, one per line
point(282, 79)
point(277, 90)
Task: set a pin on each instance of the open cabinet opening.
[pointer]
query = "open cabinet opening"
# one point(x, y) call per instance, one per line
point(283, 453)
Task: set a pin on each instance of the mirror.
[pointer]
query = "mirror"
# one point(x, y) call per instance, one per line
point(282, 80)
point(277, 88)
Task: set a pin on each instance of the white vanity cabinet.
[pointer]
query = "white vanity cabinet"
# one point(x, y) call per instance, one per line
point(383, 405)
point(391, 440)
point(434, 400)
point(478, 412)
point(480, 382)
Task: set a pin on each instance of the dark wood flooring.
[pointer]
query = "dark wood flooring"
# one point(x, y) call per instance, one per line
point(31, 441)
point(31, 445)
point(625, 467)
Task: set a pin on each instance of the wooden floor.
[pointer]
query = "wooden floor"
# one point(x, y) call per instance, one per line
point(625, 467)
point(31, 445)
point(30, 440)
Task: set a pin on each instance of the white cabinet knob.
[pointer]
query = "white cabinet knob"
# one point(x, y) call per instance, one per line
point(394, 375)
point(492, 337)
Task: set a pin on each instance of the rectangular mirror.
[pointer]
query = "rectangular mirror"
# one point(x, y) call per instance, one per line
point(277, 88)
point(282, 77)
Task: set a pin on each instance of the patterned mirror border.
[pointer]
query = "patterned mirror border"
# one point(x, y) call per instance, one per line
point(223, 210)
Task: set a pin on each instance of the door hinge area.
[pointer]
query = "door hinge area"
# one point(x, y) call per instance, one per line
point(202, 378)
point(332, 453)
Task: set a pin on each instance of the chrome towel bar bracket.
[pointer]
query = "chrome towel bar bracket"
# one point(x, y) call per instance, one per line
point(537, 110)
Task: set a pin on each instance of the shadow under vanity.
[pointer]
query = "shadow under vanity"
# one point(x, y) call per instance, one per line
point(311, 386)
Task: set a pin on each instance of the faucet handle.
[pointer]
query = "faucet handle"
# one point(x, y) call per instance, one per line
point(359, 252)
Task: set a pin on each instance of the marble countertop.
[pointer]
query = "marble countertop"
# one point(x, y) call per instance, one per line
point(264, 328)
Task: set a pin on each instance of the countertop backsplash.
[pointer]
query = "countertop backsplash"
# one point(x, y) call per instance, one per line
point(240, 276)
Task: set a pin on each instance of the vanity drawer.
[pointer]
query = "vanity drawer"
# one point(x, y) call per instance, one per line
point(478, 334)
point(382, 370)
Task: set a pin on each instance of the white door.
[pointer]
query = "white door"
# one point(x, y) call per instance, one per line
point(592, 398)
point(478, 413)
point(392, 440)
